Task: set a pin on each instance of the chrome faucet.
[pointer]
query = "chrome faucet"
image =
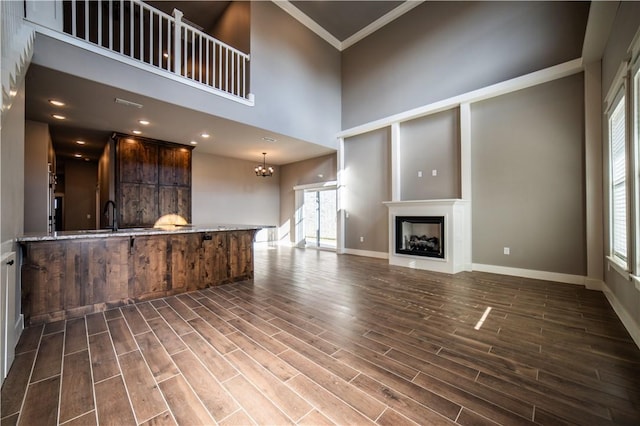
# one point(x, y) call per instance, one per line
point(114, 217)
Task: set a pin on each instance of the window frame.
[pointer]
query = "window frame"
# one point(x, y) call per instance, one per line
point(618, 96)
point(633, 128)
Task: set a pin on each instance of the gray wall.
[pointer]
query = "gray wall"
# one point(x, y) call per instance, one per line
point(227, 191)
point(624, 28)
point(234, 26)
point(528, 178)
point(626, 24)
point(12, 169)
point(289, 65)
point(367, 184)
point(301, 173)
point(427, 144)
point(81, 179)
point(37, 142)
point(441, 49)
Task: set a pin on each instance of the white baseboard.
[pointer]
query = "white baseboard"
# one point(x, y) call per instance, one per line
point(366, 253)
point(627, 320)
point(531, 273)
point(593, 284)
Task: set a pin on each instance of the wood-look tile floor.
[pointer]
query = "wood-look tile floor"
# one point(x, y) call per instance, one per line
point(318, 339)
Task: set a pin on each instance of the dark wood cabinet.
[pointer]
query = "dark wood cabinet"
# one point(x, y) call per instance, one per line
point(175, 166)
point(154, 179)
point(139, 204)
point(175, 200)
point(137, 161)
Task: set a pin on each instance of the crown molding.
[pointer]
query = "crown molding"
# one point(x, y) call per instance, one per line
point(381, 22)
point(308, 22)
point(366, 31)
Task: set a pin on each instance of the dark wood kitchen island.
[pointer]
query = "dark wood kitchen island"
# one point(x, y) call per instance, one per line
point(71, 274)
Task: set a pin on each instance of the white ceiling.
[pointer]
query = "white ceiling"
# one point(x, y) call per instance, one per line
point(92, 114)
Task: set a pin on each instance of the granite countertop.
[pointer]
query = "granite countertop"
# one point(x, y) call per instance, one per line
point(133, 232)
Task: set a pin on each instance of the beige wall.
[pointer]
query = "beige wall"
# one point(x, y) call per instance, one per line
point(81, 179)
point(445, 48)
point(366, 183)
point(315, 170)
point(528, 178)
point(37, 144)
point(12, 171)
point(427, 144)
point(234, 26)
point(227, 191)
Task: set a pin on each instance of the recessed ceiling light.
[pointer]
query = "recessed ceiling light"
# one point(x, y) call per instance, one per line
point(136, 132)
point(59, 117)
point(269, 139)
point(205, 135)
point(193, 143)
point(56, 102)
point(81, 142)
point(77, 155)
point(144, 122)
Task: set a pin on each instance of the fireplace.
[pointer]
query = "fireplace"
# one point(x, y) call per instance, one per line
point(440, 230)
point(420, 236)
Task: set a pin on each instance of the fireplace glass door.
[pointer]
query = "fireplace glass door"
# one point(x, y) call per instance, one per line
point(420, 236)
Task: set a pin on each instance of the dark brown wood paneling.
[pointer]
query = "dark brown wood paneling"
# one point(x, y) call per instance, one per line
point(154, 179)
point(215, 259)
point(113, 403)
point(43, 278)
point(137, 161)
point(174, 165)
point(71, 278)
point(150, 267)
point(175, 200)
point(241, 255)
point(148, 205)
point(77, 389)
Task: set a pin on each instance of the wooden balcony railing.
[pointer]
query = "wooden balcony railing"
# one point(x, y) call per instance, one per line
point(140, 32)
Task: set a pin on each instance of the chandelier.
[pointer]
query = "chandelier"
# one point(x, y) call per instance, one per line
point(262, 169)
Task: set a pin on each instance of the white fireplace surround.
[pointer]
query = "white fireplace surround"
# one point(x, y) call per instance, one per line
point(457, 234)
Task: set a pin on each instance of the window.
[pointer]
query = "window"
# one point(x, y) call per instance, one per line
point(635, 131)
point(618, 170)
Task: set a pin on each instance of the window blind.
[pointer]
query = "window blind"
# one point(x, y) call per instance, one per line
point(618, 180)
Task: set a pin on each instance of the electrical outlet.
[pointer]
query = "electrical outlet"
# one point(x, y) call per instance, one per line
point(362, 239)
point(420, 173)
point(434, 172)
point(507, 251)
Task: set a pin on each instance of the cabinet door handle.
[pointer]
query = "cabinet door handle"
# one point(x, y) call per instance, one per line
point(10, 262)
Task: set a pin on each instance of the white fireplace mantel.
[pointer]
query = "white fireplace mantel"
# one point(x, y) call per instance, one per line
point(457, 234)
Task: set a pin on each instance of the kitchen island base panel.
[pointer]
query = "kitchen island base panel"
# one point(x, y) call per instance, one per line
point(70, 278)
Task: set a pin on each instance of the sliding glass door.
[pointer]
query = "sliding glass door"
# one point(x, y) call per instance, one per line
point(319, 212)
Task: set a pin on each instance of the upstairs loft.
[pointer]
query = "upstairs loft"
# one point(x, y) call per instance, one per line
point(134, 32)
